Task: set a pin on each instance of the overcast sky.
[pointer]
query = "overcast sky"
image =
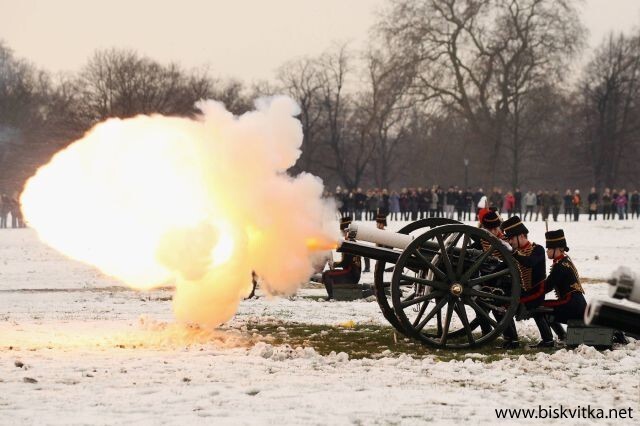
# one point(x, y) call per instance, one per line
point(246, 39)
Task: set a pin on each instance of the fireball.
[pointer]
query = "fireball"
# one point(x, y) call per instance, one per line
point(197, 203)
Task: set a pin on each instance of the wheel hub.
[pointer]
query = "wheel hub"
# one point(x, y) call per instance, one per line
point(456, 289)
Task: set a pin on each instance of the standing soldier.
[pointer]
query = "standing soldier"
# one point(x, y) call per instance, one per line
point(565, 281)
point(592, 199)
point(348, 269)
point(531, 263)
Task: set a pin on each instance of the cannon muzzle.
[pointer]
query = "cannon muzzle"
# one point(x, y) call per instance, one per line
point(613, 314)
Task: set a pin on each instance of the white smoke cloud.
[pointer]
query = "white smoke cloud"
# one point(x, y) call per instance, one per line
point(200, 203)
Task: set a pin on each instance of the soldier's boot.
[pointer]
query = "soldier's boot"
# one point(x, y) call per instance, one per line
point(559, 330)
point(510, 336)
point(545, 332)
point(619, 337)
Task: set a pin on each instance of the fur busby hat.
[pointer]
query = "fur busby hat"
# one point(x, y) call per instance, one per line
point(345, 222)
point(513, 227)
point(490, 220)
point(556, 239)
point(381, 218)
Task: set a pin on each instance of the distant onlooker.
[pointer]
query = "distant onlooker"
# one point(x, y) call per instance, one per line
point(555, 204)
point(530, 201)
point(509, 204)
point(635, 204)
point(394, 205)
point(621, 204)
point(568, 205)
point(593, 204)
point(577, 201)
point(606, 204)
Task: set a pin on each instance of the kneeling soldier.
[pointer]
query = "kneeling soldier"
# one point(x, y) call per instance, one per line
point(349, 267)
point(565, 281)
point(531, 263)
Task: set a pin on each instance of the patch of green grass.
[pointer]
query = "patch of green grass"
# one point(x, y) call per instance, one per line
point(373, 341)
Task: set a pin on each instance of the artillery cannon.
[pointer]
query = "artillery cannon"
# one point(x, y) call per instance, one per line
point(452, 285)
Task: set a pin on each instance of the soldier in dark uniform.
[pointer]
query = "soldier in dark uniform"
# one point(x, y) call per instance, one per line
point(531, 263)
point(565, 281)
point(346, 271)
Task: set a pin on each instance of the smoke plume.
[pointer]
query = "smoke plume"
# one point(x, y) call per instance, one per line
point(200, 203)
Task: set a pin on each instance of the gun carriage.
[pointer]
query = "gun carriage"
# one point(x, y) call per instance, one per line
point(451, 285)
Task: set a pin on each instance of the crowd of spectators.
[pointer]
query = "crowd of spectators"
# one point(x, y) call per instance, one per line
point(10, 208)
point(457, 203)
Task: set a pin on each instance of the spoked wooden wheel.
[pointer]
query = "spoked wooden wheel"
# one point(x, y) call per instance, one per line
point(382, 289)
point(463, 286)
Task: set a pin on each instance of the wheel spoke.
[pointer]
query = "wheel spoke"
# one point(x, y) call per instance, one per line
point(447, 322)
point(445, 257)
point(423, 308)
point(462, 314)
point(414, 300)
point(476, 265)
point(435, 284)
point(482, 312)
point(488, 277)
point(485, 295)
point(436, 271)
point(430, 315)
point(463, 252)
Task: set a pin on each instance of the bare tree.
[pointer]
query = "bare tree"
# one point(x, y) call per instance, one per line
point(345, 127)
point(477, 57)
point(121, 83)
point(301, 80)
point(388, 107)
point(611, 107)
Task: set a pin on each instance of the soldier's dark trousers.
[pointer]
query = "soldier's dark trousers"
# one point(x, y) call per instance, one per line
point(594, 214)
point(529, 212)
point(606, 212)
point(568, 211)
point(576, 214)
point(556, 212)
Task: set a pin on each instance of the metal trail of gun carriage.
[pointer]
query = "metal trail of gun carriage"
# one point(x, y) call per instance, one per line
point(438, 272)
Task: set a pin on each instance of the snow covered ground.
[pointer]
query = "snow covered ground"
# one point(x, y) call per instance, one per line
point(77, 347)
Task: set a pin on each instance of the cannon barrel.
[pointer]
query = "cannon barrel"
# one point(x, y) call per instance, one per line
point(391, 245)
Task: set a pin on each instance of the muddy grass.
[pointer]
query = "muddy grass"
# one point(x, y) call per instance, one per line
point(374, 341)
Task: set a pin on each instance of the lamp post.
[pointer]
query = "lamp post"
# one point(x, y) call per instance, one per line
point(466, 173)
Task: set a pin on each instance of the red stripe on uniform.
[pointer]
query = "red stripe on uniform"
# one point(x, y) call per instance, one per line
point(539, 292)
point(559, 302)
